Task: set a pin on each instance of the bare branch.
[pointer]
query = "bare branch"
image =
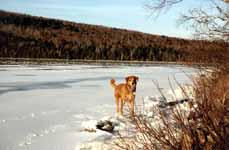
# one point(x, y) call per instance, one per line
point(156, 6)
point(209, 22)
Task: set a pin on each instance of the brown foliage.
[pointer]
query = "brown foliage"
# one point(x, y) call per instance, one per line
point(24, 36)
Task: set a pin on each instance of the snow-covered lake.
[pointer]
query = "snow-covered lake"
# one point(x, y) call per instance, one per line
point(42, 106)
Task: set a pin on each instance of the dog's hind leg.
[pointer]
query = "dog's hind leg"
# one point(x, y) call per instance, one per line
point(117, 104)
point(121, 107)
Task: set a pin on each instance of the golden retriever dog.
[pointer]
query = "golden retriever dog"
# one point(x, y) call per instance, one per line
point(125, 92)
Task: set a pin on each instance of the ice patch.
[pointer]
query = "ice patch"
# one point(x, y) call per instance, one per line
point(93, 146)
point(82, 116)
point(102, 108)
point(31, 137)
point(32, 115)
point(3, 121)
point(103, 135)
point(185, 92)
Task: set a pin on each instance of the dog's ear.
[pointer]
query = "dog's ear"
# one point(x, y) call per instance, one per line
point(127, 78)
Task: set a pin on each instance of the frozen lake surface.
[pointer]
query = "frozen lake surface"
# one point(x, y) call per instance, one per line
point(42, 106)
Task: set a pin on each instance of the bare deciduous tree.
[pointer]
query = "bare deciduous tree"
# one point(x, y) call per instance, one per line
point(209, 22)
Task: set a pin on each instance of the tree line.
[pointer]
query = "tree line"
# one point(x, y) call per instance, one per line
point(25, 36)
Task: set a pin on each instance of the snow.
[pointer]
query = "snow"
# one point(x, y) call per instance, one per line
point(89, 125)
point(150, 111)
point(184, 92)
point(47, 106)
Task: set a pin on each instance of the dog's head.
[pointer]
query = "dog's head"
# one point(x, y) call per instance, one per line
point(131, 81)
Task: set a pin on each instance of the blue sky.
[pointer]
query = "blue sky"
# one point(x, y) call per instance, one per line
point(127, 14)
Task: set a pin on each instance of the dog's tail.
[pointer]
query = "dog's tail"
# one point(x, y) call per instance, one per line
point(112, 82)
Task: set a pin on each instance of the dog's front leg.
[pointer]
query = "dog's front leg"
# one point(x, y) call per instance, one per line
point(121, 106)
point(117, 105)
point(132, 107)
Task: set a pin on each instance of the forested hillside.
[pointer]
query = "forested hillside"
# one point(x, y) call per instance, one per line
point(24, 36)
